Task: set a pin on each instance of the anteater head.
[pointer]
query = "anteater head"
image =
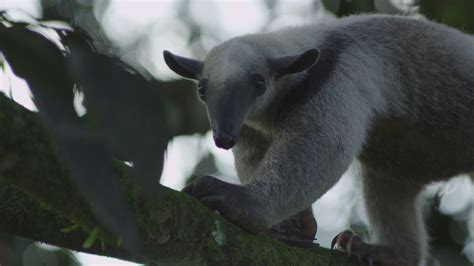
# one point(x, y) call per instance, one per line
point(236, 82)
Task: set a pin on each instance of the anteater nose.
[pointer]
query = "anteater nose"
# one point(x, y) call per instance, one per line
point(225, 141)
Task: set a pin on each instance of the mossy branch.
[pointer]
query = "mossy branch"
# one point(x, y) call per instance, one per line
point(37, 201)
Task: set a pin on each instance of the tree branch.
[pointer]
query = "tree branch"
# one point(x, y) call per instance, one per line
point(37, 201)
point(24, 217)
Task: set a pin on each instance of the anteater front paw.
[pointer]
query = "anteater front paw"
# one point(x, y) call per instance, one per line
point(230, 201)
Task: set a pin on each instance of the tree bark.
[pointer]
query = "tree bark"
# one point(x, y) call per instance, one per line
point(37, 201)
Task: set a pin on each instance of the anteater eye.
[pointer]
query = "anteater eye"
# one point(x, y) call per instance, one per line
point(259, 84)
point(201, 90)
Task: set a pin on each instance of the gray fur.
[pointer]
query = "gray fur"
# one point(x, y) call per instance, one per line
point(394, 92)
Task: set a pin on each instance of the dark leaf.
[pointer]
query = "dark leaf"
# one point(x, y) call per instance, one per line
point(124, 108)
point(42, 64)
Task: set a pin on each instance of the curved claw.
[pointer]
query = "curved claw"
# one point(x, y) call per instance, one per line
point(298, 230)
point(230, 201)
point(341, 239)
point(334, 241)
point(354, 246)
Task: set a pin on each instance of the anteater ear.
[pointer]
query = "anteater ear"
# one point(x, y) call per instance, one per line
point(186, 67)
point(291, 64)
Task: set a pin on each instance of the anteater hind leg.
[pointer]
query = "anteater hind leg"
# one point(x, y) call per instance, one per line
point(395, 221)
point(298, 230)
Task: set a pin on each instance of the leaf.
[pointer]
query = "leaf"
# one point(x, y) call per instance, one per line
point(91, 238)
point(70, 229)
point(43, 65)
point(124, 108)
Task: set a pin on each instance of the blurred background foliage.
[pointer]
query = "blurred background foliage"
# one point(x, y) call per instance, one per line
point(138, 31)
point(456, 13)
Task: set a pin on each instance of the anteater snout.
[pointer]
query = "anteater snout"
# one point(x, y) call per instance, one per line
point(225, 141)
